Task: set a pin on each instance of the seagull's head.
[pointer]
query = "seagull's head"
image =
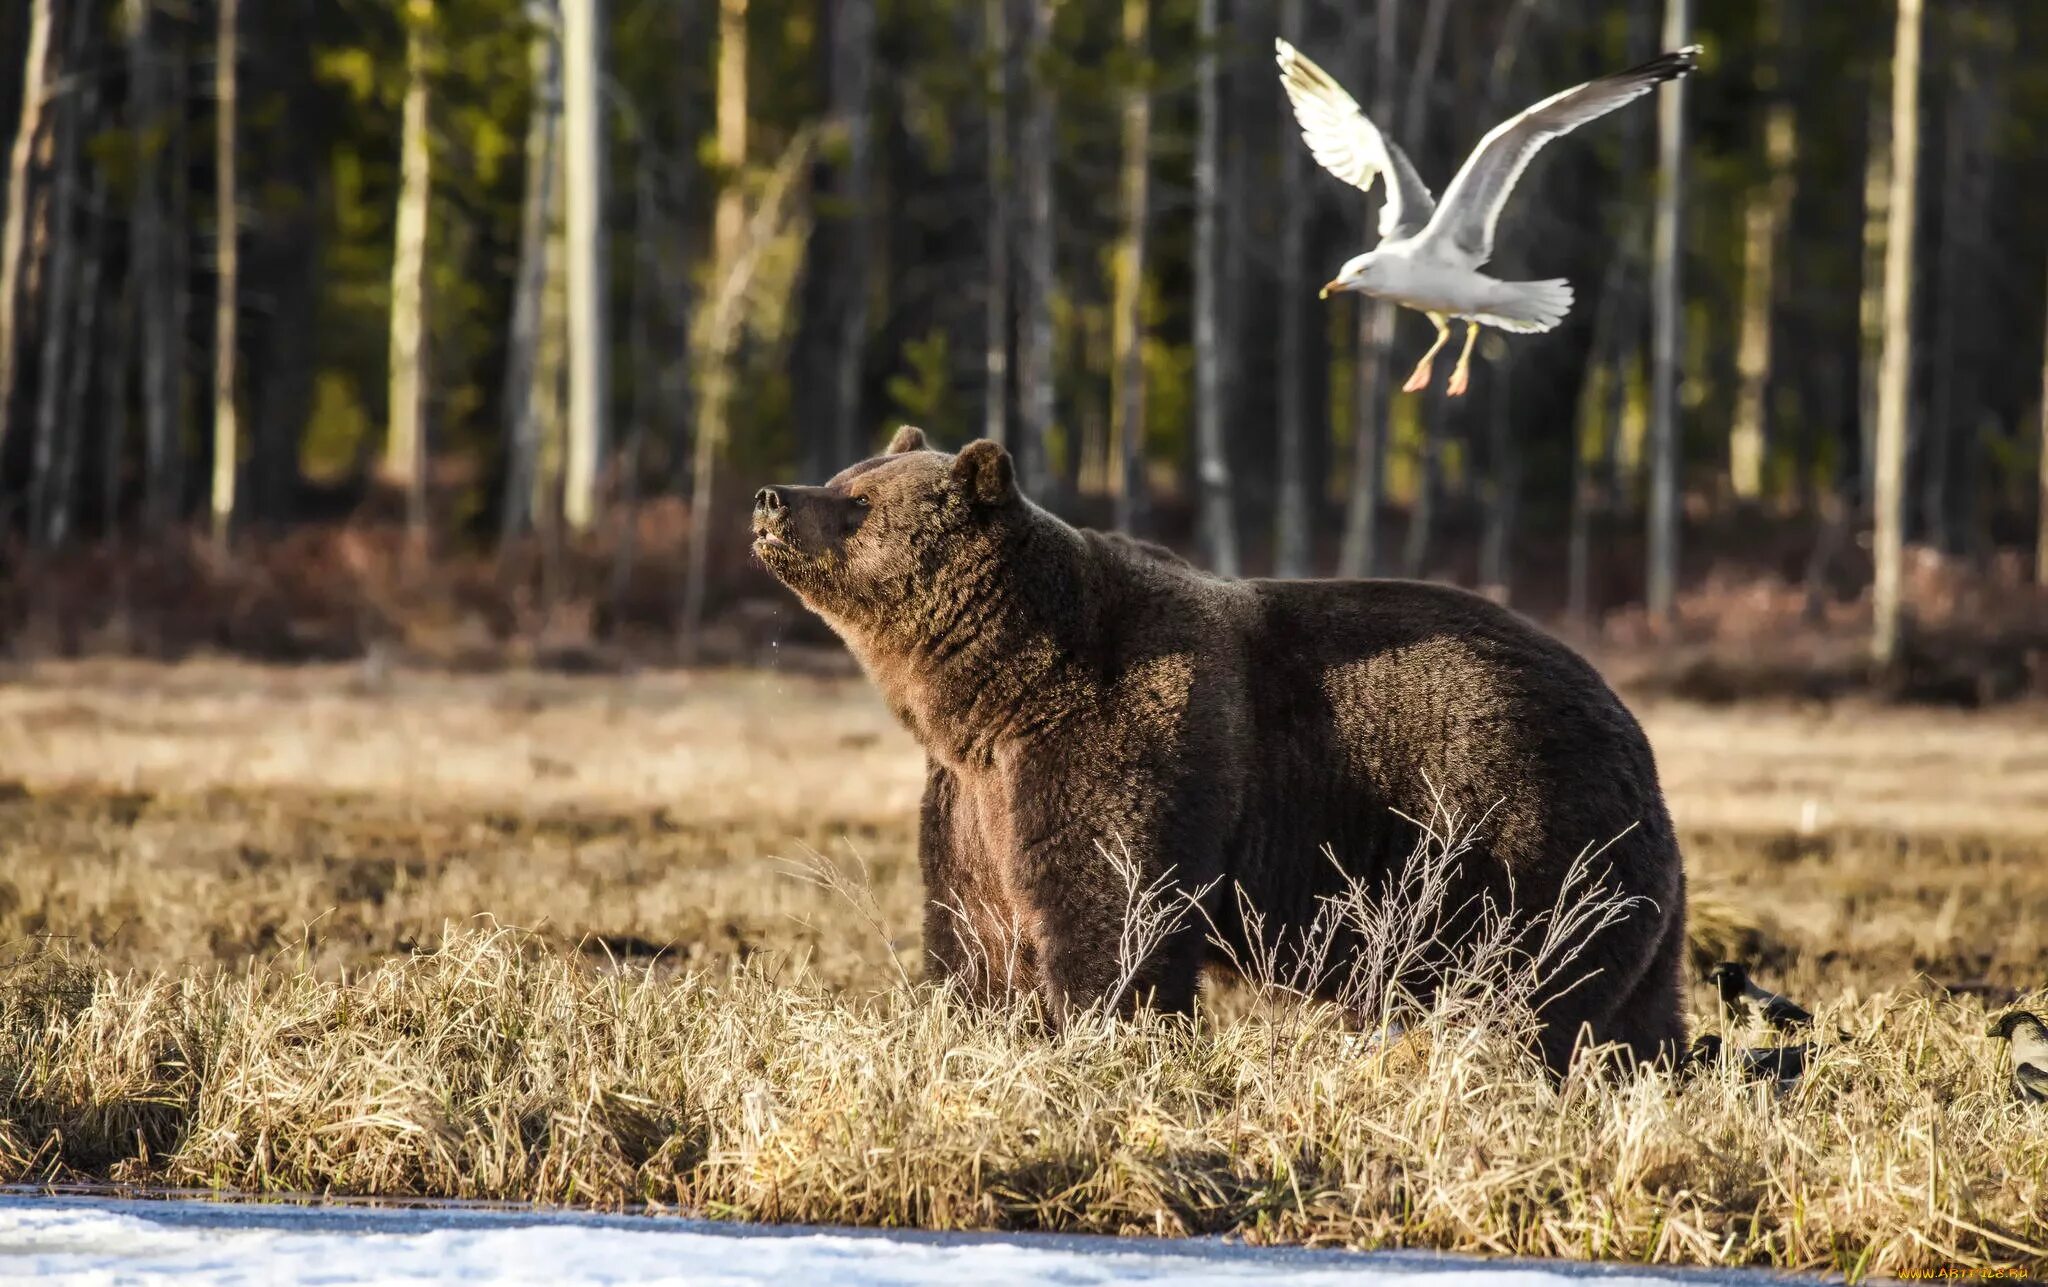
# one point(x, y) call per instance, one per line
point(1358, 274)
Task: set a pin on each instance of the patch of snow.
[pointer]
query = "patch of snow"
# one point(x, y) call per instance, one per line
point(141, 1243)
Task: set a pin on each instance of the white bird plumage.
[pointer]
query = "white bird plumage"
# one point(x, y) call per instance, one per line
point(1430, 252)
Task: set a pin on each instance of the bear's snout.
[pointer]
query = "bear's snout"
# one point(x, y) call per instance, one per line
point(768, 501)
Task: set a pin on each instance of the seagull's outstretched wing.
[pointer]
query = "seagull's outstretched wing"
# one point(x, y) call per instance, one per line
point(1351, 147)
point(1464, 223)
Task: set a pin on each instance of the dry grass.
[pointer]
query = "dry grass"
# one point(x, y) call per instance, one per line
point(240, 916)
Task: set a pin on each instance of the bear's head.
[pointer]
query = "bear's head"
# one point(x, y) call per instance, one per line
point(898, 543)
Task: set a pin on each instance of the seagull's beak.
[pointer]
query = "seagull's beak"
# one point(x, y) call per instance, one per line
point(1334, 284)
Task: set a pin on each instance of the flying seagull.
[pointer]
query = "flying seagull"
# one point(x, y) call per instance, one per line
point(1429, 255)
point(1740, 996)
point(2029, 1038)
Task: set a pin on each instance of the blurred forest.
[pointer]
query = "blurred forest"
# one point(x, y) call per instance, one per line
point(320, 319)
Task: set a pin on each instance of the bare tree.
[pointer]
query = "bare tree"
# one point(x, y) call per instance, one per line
point(583, 151)
point(226, 440)
point(1769, 209)
point(1896, 371)
point(1035, 277)
point(13, 233)
point(543, 160)
point(405, 443)
point(995, 398)
point(1666, 444)
point(1219, 524)
point(1128, 342)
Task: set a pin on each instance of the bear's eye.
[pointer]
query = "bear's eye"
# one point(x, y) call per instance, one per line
point(860, 502)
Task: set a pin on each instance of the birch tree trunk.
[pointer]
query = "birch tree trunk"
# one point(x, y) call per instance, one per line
point(1896, 371)
point(226, 439)
point(589, 350)
point(1035, 281)
point(522, 402)
point(405, 442)
point(1769, 208)
point(13, 233)
point(1219, 524)
point(1666, 442)
point(995, 365)
point(1128, 341)
point(1291, 514)
point(1358, 554)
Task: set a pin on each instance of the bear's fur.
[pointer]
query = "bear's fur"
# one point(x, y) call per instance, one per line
point(1075, 690)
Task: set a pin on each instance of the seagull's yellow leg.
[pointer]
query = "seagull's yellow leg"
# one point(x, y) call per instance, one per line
point(1420, 379)
point(1461, 376)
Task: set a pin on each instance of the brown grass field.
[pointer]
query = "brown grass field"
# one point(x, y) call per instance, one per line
point(550, 939)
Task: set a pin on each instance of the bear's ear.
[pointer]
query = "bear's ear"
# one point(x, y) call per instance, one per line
point(983, 470)
point(908, 438)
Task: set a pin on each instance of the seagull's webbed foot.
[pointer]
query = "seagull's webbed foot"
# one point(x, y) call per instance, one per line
point(1461, 378)
point(1419, 380)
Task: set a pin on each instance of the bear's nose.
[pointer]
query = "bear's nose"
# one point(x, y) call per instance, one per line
point(767, 501)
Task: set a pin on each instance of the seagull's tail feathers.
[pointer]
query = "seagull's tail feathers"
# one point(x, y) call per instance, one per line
point(1528, 307)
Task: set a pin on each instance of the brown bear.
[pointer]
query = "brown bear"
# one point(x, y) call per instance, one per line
point(1075, 690)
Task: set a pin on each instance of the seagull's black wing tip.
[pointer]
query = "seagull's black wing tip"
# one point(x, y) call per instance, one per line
point(1671, 66)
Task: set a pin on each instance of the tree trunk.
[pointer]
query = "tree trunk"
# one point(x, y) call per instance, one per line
point(1358, 553)
point(1128, 342)
point(13, 233)
point(1896, 371)
point(226, 439)
point(1666, 442)
point(1769, 208)
point(853, 73)
point(405, 444)
point(715, 378)
point(1951, 454)
point(522, 350)
point(2041, 500)
point(149, 268)
point(995, 405)
point(1035, 403)
point(1877, 182)
point(84, 351)
point(646, 283)
point(1219, 524)
point(589, 392)
point(1504, 465)
point(831, 340)
point(59, 283)
point(1292, 514)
